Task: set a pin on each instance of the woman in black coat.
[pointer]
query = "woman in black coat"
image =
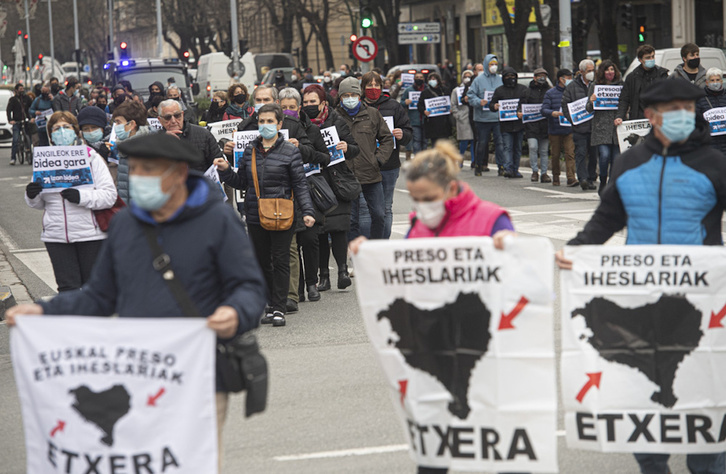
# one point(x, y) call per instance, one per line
point(437, 127)
point(715, 98)
point(280, 173)
point(337, 223)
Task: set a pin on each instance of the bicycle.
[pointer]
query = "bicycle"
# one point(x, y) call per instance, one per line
point(25, 144)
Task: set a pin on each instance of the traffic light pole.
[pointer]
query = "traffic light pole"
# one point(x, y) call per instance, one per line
point(30, 52)
point(111, 44)
point(76, 43)
point(235, 37)
point(565, 34)
point(52, 48)
point(159, 35)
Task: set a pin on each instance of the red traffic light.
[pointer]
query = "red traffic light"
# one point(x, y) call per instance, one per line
point(20, 33)
point(353, 38)
point(26, 36)
point(40, 56)
point(186, 54)
point(123, 45)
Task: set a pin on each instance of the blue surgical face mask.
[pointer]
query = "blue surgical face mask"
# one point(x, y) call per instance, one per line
point(267, 130)
point(350, 103)
point(258, 107)
point(567, 82)
point(63, 137)
point(678, 124)
point(650, 63)
point(146, 191)
point(94, 136)
point(433, 83)
point(121, 133)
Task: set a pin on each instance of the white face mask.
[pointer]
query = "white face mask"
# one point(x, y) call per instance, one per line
point(430, 213)
point(493, 68)
point(590, 76)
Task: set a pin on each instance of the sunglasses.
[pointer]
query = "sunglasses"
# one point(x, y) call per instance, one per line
point(168, 117)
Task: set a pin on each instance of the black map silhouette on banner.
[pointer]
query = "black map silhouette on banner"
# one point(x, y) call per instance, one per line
point(654, 338)
point(445, 342)
point(102, 409)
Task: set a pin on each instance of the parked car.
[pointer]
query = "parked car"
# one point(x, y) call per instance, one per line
point(212, 73)
point(269, 77)
point(414, 68)
point(6, 130)
point(525, 78)
point(671, 57)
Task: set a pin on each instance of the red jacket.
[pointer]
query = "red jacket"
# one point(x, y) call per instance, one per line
point(466, 215)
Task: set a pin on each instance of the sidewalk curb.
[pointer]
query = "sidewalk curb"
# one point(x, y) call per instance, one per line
point(8, 278)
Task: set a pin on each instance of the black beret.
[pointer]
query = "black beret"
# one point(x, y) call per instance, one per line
point(671, 89)
point(563, 72)
point(160, 145)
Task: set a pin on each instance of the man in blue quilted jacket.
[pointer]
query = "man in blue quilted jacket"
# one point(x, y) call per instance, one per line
point(670, 190)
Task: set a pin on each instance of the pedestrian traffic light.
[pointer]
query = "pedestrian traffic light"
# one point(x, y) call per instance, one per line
point(641, 30)
point(366, 18)
point(626, 16)
point(40, 59)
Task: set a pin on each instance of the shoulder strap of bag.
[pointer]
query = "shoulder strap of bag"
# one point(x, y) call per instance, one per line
point(254, 173)
point(162, 264)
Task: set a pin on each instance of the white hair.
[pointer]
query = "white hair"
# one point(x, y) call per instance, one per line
point(168, 103)
point(272, 89)
point(714, 71)
point(290, 93)
point(585, 63)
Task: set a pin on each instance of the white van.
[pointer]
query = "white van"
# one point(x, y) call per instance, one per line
point(212, 74)
point(671, 57)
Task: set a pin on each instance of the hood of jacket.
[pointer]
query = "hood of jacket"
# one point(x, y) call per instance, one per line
point(487, 59)
point(159, 85)
point(199, 199)
point(508, 71)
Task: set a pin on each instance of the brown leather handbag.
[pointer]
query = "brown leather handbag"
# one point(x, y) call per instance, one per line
point(275, 213)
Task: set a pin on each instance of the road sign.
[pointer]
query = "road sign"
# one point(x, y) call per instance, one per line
point(365, 49)
point(240, 68)
point(421, 38)
point(404, 28)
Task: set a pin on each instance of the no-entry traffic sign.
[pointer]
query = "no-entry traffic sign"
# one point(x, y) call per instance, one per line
point(365, 49)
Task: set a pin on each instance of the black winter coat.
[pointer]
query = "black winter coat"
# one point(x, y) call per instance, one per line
point(434, 127)
point(507, 93)
point(391, 108)
point(18, 108)
point(637, 82)
point(203, 140)
point(575, 91)
point(535, 95)
point(712, 100)
point(279, 173)
point(321, 158)
point(294, 128)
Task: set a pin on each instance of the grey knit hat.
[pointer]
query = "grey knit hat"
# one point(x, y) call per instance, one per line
point(349, 85)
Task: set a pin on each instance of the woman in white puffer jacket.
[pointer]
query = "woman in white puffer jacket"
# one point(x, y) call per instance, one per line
point(71, 233)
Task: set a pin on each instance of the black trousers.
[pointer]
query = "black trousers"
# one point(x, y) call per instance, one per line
point(340, 250)
point(273, 254)
point(72, 263)
point(307, 240)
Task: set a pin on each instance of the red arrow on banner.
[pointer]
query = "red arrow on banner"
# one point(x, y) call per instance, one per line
point(593, 381)
point(153, 398)
point(716, 318)
point(402, 385)
point(506, 321)
point(58, 427)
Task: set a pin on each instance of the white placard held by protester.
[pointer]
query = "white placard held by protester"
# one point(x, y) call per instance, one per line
point(155, 124)
point(406, 80)
point(116, 392)
point(330, 136)
point(389, 122)
point(508, 110)
point(213, 175)
point(464, 333)
point(414, 96)
point(488, 97)
point(563, 120)
point(632, 132)
point(60, 167)
point(578, 112)
point(459, 94)
point(311, 169)
point(42, 120)
point(224, 129)
point(716, 119)
point(438, 106)
point(243, 139)
point(607, 97)
point(532, 113)
point(643, 346)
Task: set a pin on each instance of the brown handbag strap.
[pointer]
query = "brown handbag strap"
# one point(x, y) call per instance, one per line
point(254, 173)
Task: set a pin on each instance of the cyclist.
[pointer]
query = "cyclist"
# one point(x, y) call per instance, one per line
point(17, 110)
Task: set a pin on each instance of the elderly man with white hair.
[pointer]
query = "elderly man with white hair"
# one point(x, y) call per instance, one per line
point(171, 117)
point(715, 98)
point(585, 157)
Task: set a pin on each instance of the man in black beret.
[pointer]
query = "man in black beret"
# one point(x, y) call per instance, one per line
point(209, 253)
point(669, 190)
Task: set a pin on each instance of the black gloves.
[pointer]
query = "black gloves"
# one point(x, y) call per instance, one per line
point(71, 195)
point(33, 189)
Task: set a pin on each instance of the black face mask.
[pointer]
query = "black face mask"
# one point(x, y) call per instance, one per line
point(311, 111)
point(418, 82)
point(44, 95)
point(694, 63)
point(239, 98)
point(119, 100)
point(510, 82)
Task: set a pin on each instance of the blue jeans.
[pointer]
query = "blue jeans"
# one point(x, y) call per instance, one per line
point(16, 141)
point(483, 130)
point(607, 154)
point(373, 195)
point(585, 159)
point(714, 463)
point(364, 218)
point(512, 151)
point(463, 145)
point(419, 140)
point(539, 150)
